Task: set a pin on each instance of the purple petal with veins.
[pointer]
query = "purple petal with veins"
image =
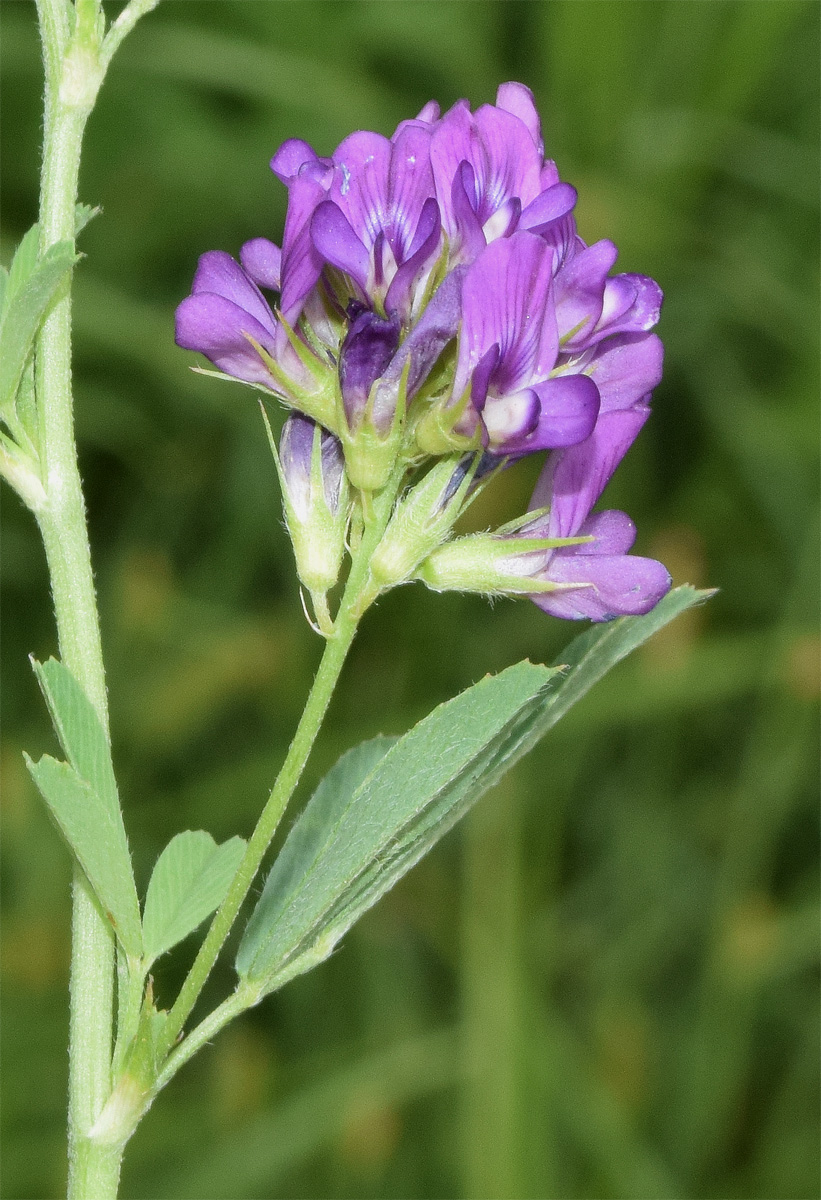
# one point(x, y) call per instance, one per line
point(360, 186)
point(505, 301)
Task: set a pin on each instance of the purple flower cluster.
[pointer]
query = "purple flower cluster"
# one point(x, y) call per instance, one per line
point(434, 298)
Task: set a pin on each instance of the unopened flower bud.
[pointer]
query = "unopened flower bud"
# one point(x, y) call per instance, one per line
point(371, 426)
point(315, 498)
point(423, 519)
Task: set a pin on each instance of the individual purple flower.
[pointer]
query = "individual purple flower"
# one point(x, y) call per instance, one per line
point(508, 348)
point(591, 305)
point(226, 309)
point(380, 224)
point(571, 563)
point(598, 579)
point(492, 178)
point(227, 319)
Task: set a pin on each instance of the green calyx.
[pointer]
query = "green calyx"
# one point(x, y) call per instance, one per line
point(370, 455)
point(491, 565)
point(421, 521)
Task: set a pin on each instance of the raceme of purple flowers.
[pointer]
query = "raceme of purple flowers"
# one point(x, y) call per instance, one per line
point(432, 297)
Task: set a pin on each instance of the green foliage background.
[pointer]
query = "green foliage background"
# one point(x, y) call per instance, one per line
point(605, 985)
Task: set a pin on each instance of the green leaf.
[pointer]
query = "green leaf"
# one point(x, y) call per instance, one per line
point(78, 729)
point(354, 840)
point(25, 260)
point(190, 880)
point(82, 796)
point(83, 213)
point(25, 308)
point(357, 844)
point(4, 287)
point(98, 840)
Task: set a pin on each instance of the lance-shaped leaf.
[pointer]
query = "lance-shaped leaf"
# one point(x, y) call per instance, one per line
point(97, 840)
point(82, 797)
point(190, 880)
point(354, 840)
point(24, 261)
point(26, 302)
point(355, 844)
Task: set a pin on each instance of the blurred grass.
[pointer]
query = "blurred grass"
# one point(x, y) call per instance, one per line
point(605, 986)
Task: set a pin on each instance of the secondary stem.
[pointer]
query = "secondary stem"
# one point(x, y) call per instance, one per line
point(324, 683)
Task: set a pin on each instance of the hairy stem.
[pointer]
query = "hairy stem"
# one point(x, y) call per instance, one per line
point(73, 73)
point(319, 698)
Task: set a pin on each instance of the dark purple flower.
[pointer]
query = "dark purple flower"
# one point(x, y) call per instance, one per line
point(368, 348)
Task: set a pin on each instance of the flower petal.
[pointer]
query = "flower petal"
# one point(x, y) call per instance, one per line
point(215, 327)
point(335, 241)
point(465, 229)
point(410, 188)
point(572, 479)
point(548, 206)
point(424, 249)
point(360, 186)
point(262, 261)
point(568, 407)
point(632, 304)
point(512, 164)
point(579, 292)
point(517, 99)
point(301, 264)
point(292, 157)
point(505, 301)
point(613, 530)
point(217, 272)
point(610, 586)
point(626, 368)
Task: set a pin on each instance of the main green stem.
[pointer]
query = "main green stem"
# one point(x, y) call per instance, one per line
point(72, 78)
point(328, 672)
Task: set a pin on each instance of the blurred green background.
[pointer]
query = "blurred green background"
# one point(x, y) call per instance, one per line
point(605, 983)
